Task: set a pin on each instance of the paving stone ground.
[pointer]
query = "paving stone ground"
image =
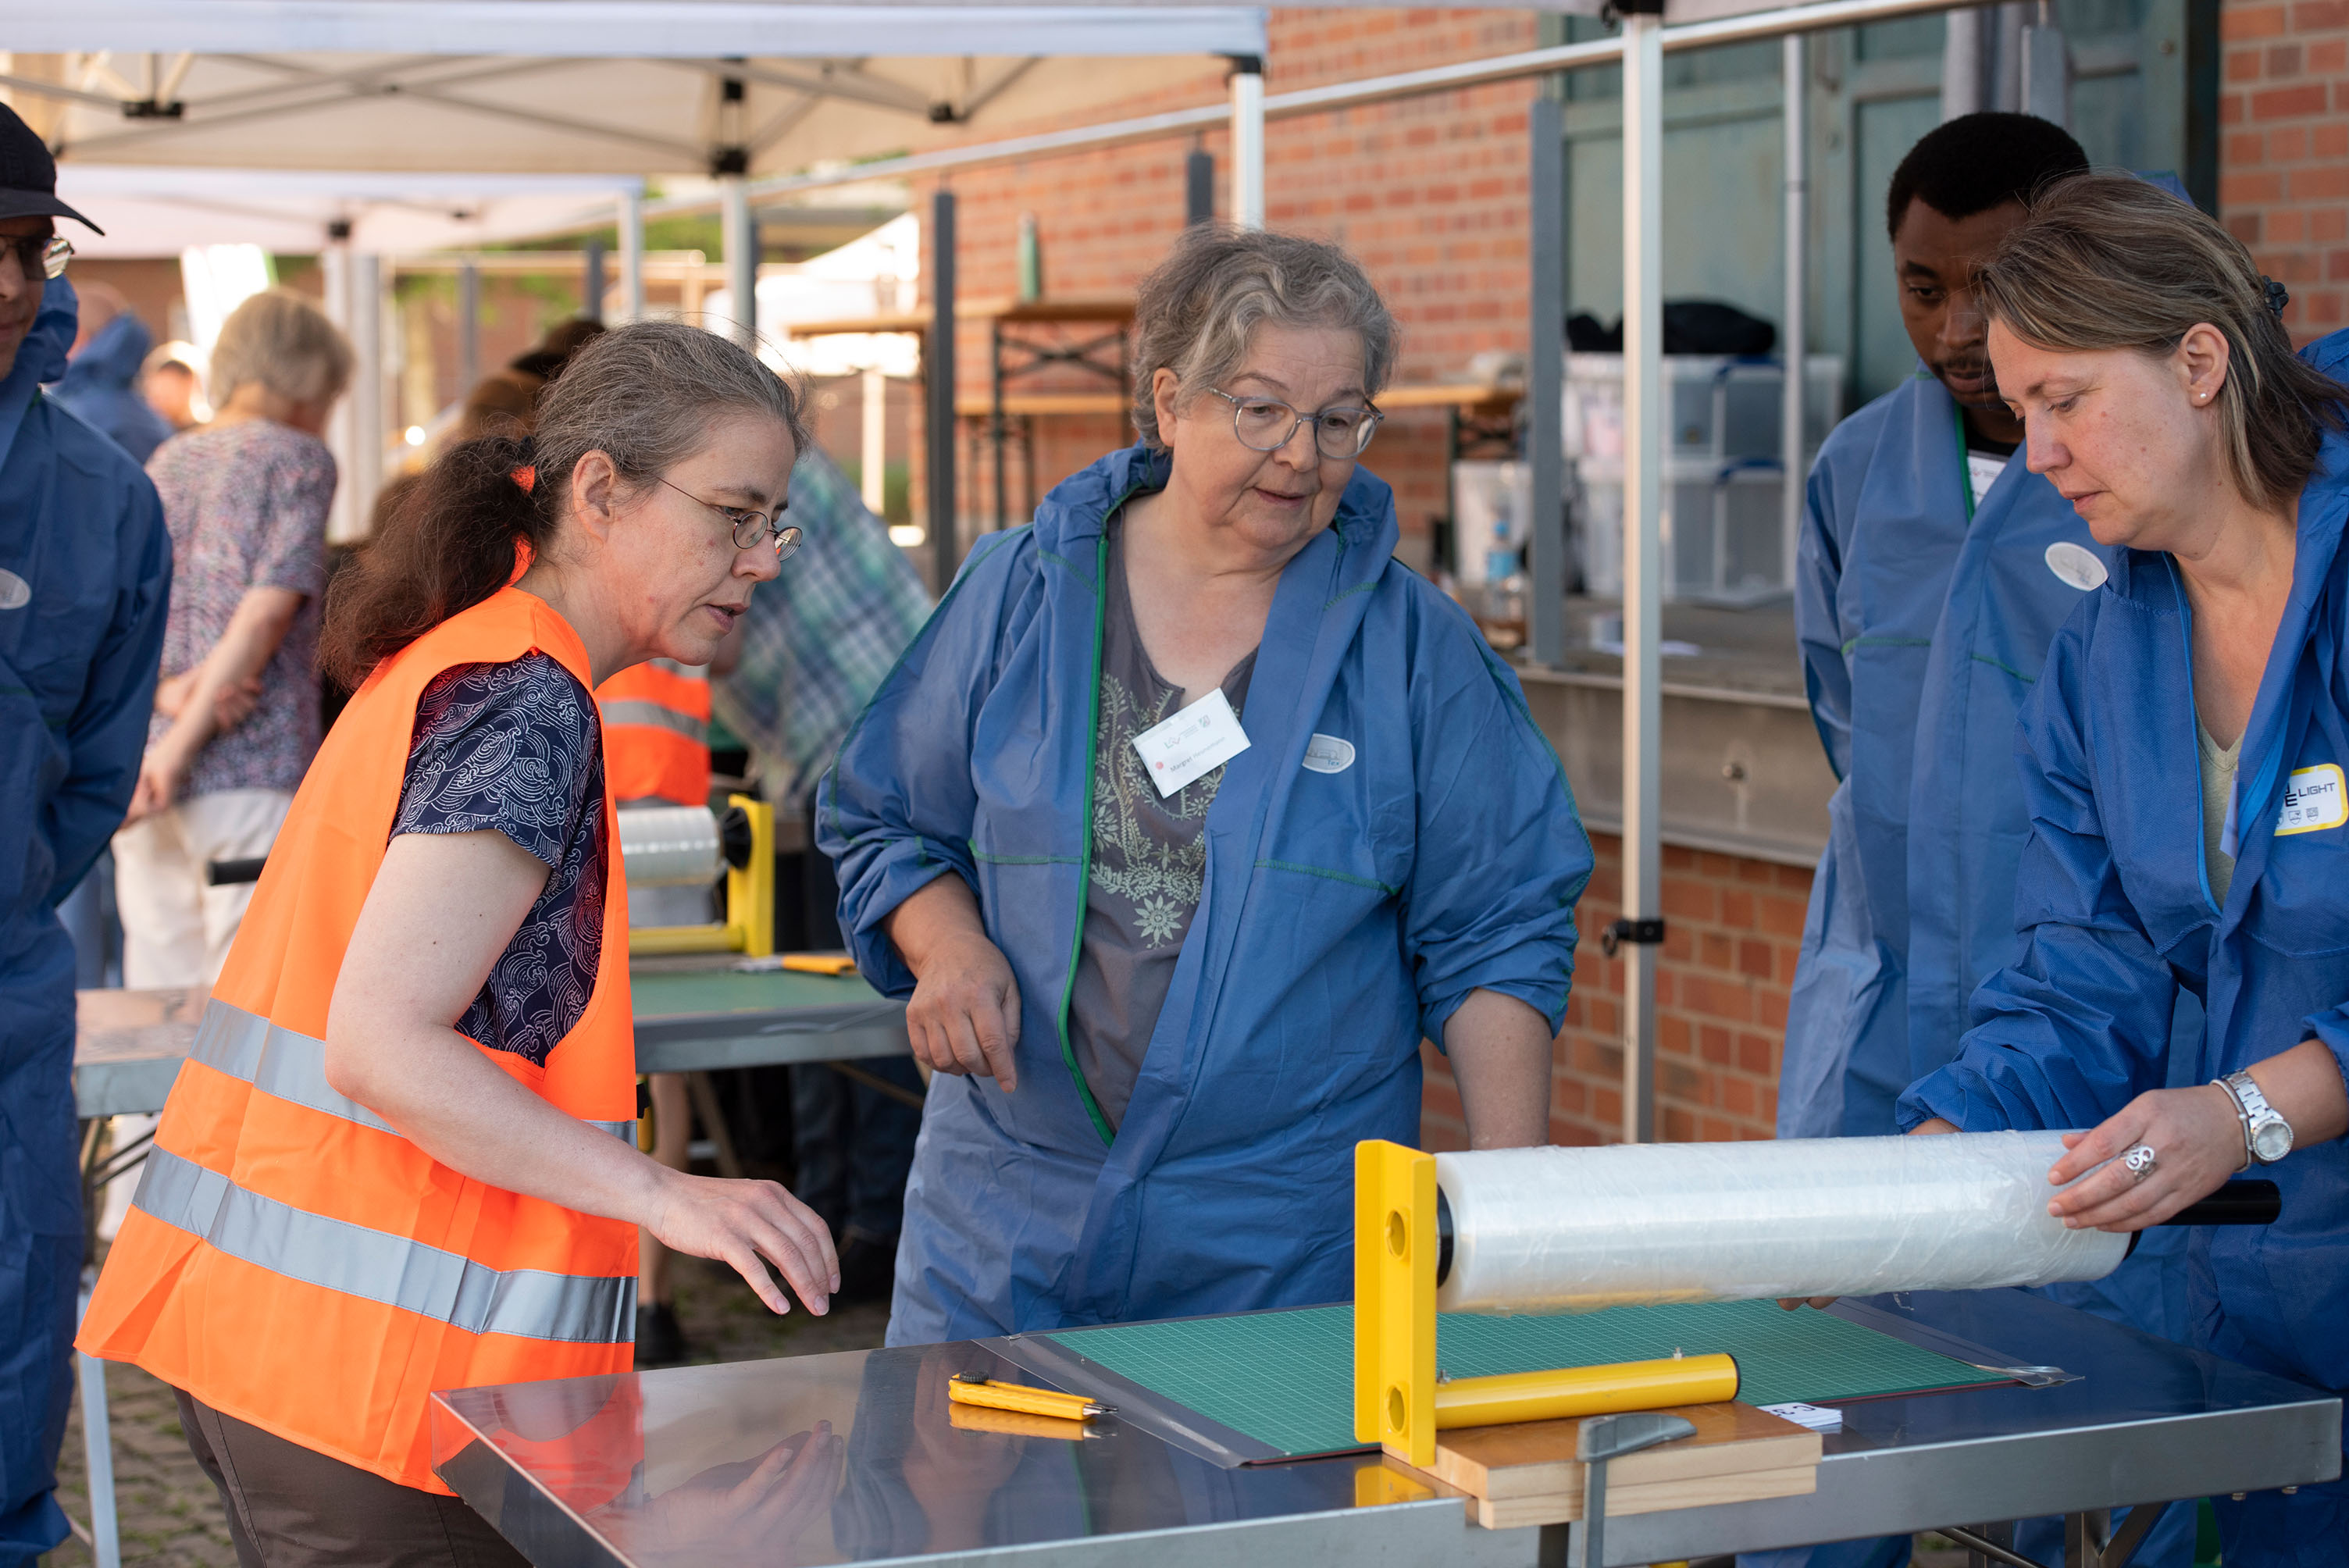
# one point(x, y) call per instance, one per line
point(171, 1517)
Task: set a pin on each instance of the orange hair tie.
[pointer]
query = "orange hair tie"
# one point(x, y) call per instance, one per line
point(525, 477)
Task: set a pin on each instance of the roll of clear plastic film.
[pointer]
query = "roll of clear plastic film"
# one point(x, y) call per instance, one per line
point(1565, 1230)
point(670, 846)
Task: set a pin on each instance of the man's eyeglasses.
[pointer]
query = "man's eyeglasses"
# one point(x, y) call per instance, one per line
point(1268, 424)
point(45, 255)
point(751, 529)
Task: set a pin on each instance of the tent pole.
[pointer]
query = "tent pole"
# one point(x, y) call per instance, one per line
point(632, 256)
point(739, 238)
point(1643, 432)
point(1247, 141)
point(1544, 383)
point(1794, 340)
point(875, 461)
point(939, 391)
point(469, 326)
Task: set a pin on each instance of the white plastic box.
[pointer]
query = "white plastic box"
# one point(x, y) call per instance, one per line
point(1723, 522)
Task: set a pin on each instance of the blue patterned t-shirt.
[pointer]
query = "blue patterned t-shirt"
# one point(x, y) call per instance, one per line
point(516, 748)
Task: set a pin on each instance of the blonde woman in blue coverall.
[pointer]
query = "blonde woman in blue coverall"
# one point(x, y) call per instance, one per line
point(2182, 759)
point(1933, 569)
point(1164, 1019)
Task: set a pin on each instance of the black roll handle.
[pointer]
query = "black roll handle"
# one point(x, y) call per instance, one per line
point(222, 874)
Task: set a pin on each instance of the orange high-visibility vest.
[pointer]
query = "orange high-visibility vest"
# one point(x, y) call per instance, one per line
point(656, 732)
point(290, 1259)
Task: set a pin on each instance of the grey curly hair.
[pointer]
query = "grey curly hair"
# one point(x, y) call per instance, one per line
point(1195, 313)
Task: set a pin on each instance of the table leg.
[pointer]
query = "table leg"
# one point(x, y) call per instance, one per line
point(2091, 1542)
point(97, 1448)
point(705, 1102)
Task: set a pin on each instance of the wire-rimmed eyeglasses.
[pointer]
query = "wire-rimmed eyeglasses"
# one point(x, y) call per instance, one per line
point(751, 529)
point(44, 255)
point(1268, 424)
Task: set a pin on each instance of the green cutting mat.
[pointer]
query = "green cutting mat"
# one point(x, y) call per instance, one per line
point(1287, 1377)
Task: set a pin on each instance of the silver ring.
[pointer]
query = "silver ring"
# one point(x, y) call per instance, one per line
point(2140, 1162)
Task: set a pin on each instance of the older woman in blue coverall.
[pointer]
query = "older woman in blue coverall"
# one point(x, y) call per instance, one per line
point(1162, 1019)
point(2183, 760)
point(84, 572)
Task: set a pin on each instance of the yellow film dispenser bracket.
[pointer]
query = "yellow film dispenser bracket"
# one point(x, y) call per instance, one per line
point(1398, 1402)
point(748, 836)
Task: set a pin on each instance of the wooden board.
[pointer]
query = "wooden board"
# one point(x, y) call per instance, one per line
point(1526, 1473)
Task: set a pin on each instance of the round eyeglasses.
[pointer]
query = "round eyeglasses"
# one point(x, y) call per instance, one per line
point(750, 528)
point(39, 254)
point(1268, 424)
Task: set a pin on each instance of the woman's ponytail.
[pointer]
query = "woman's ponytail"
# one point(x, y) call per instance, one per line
point(450, 543)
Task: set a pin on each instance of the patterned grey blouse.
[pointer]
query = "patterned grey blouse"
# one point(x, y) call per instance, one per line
point(516, 748)
point(1148, 861)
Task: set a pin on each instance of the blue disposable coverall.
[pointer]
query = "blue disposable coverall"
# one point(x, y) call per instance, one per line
point(84, 573)
point(2113, 901)
point(1344, 915)
point(102, 385)
point(1923, 619)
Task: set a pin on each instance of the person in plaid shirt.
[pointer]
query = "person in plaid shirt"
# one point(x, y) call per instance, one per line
point(816, 645)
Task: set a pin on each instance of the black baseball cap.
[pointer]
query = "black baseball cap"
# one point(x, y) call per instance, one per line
point(29, 175)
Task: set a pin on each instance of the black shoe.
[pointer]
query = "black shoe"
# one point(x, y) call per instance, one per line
point(868, 1267)
point(659, 1341)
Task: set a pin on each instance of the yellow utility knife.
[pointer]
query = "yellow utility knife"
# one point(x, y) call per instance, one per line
point(966, 1389)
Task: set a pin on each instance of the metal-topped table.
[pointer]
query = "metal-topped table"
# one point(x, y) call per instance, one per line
point(859, 1458)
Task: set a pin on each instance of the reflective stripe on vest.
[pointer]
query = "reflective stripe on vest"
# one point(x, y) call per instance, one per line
point(374, 1265)
point(288, 1065)
point(655, 715)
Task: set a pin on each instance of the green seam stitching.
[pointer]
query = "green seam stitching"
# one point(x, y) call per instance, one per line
point(2010, 669)
point(1331, 875)
point(1085, 859)
point(978, 854)
point(1347, 593)
point(1061, 562)
point(1887, 643)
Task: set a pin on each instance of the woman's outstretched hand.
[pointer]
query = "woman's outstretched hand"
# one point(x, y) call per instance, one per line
point(742, 1222)
point(963, 1017)
point(2196, 1140)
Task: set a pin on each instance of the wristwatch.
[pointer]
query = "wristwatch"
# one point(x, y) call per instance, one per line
point(2267, 1136)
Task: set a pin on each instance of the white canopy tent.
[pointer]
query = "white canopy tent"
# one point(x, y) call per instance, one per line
point(499, 38)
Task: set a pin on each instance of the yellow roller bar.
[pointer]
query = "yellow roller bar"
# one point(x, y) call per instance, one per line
point(1586, 1391)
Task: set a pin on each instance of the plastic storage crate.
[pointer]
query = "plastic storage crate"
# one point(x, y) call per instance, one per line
point(1722, 521)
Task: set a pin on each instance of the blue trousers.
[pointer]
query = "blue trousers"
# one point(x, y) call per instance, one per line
point(40, 1240)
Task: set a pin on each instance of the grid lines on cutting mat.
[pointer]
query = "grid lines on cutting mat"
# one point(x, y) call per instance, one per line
point(1286, 1379)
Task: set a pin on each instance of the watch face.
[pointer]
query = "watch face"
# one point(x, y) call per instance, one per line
point(2271, 1140)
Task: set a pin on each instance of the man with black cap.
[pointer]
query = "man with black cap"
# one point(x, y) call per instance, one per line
point(85, 573)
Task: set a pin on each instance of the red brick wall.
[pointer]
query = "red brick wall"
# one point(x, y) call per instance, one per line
point(1731, 929)
point(1430, 194)
point(2283, 183)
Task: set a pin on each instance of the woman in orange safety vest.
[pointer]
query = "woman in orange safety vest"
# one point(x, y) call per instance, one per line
point(401, 1156)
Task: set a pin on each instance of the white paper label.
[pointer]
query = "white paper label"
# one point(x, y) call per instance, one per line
point(2075, 565)
point(1816, 1417)
point(1982, 469)
point(1200, 738)
point(15, 591)
point(1328, 754)
point(2314, 801)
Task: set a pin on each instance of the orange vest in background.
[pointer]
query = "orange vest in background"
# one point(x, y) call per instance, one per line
point(656, 732)
point(290, 1259)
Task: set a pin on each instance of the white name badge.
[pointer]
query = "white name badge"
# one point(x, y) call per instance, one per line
point(2314, 801)
point(1200, 738)
point(2075, 566)
point(1328, 754)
